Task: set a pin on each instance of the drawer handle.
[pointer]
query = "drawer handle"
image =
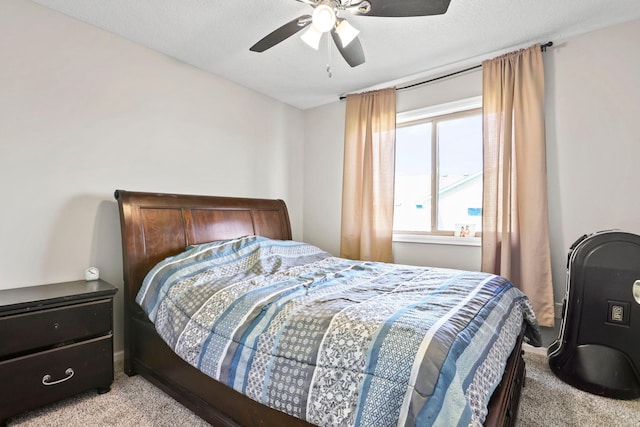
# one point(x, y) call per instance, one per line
point(46, 380)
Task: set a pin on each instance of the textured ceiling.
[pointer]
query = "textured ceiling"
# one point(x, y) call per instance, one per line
point(216, 35)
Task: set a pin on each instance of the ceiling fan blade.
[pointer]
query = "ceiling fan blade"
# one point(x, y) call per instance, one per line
point(400, 8)
point(353, 53)
point(281, 34)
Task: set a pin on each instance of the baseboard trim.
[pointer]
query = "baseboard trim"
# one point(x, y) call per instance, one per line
point(534, 350)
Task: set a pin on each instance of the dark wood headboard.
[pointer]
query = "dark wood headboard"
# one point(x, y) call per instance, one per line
point(155, 226)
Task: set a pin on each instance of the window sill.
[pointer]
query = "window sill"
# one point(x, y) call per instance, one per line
point(437, 240)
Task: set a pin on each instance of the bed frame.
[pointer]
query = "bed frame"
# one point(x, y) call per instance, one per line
point(155, 226)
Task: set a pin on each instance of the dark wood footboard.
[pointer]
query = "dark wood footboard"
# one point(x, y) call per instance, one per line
point(503, 406)
point(222, 406)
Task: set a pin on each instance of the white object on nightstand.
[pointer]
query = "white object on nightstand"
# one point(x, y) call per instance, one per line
point(91, 273)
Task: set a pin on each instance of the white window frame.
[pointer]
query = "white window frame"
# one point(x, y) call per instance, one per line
point(427, 113)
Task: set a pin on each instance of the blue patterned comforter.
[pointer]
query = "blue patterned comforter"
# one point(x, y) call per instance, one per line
point(338, 342)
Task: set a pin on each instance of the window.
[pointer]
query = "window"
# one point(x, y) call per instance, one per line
point(438, 178)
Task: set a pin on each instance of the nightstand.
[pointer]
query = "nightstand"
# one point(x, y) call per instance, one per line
point(55, 341)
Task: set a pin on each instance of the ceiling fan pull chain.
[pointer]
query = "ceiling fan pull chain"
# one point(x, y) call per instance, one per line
point(329, 57)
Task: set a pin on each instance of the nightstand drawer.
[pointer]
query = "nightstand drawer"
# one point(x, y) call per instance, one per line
point(43, 328)
point(45, 377)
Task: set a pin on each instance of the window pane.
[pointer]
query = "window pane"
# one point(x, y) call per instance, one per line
point(460, 173)
point(413, 178)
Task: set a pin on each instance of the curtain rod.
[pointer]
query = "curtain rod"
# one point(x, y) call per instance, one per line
point(543, 47)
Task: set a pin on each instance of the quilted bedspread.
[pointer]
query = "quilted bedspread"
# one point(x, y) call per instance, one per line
point(338, 342)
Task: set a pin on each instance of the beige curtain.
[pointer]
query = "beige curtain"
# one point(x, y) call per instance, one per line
point(368, 176)
point(515, 224)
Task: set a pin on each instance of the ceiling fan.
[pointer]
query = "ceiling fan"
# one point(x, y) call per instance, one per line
point(327, 17)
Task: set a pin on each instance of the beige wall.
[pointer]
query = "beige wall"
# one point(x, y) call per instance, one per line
point(593, 149)
point(593, 138)
point(84, 112)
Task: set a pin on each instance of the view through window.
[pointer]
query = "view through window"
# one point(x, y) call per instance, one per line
point(438, 187)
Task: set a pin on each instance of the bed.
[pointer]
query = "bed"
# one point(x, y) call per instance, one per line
point(161, 228)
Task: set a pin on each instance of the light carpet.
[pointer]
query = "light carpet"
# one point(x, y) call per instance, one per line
point(132, 401)
point(547, 401)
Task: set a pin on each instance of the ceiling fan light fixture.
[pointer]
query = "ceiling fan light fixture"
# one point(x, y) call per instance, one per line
point(347, 32)
point(324, 18)
point(364, 7)
point(312, 37)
